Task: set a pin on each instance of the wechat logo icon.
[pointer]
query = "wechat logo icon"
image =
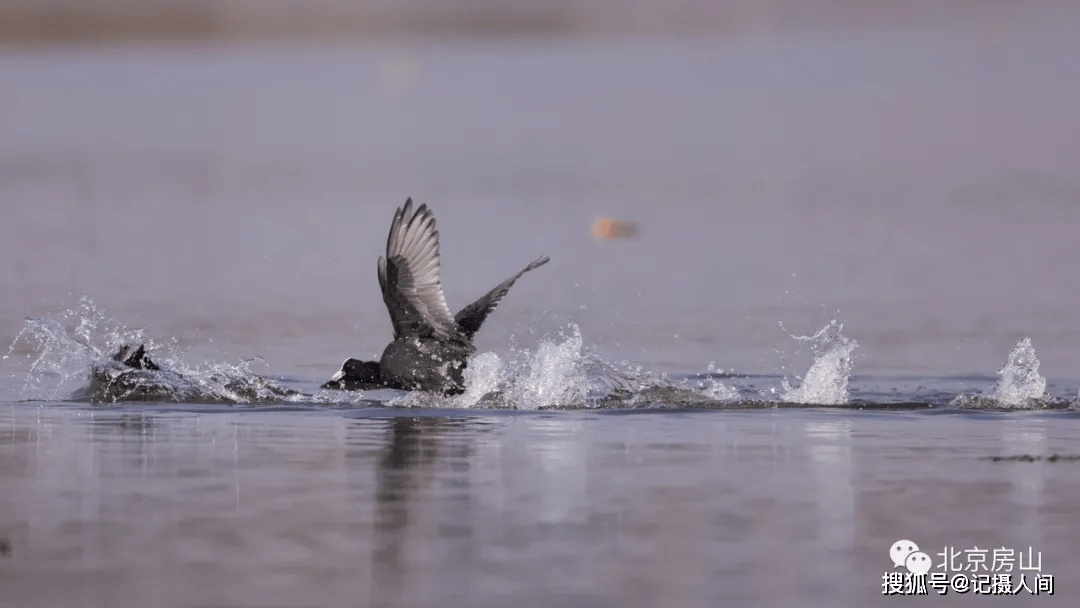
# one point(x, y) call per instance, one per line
point(906, 554)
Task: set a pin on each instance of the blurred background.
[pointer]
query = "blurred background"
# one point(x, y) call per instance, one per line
point(50, 21)
point(223, 172)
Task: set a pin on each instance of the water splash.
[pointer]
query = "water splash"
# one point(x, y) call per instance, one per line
point(59, 361)
point(77, 364)
point(554, 375)
point(1019, 381)
point(826, 382)
point(484, 374)
point(563, 373)
point(1019, 384)
point(714, 389)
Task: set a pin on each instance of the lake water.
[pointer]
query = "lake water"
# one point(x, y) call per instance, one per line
point(664, 420)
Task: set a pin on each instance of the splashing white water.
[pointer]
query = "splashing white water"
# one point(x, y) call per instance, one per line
point(554, 375)
point(1019, 384)
point(483, 376)
point(715, 389)
point(826, 382)
point(79, 365)
point(59, 360)
point(1019, 381)
point(562, 372)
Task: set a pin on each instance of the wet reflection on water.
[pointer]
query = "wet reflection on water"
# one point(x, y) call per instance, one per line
point(422, 491)
point(404, 508)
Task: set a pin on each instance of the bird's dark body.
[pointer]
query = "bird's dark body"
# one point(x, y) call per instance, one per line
point(130, 375)
point(425, 364)
point(431, 348)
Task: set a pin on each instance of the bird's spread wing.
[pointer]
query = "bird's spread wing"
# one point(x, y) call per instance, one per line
point(409, 276)
point(472, 316)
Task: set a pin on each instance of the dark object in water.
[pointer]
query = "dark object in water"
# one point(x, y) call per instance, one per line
point(130, 375)
point(1031, 458)
point(430, 347)
point(5, 547)
point(356, 375)
point(135, 358)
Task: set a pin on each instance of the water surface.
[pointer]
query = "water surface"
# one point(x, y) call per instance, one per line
point(369, 507)
point(642, 428)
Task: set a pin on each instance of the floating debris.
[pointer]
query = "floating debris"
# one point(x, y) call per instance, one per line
point(1030, 458)
point(607, 227)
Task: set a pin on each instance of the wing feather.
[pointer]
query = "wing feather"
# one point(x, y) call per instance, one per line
point(472, 316)
point(410, 278)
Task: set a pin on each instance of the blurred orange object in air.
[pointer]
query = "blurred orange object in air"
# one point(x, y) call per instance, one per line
point(607, 227)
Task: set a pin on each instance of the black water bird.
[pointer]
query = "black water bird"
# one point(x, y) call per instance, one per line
point(135, 357)
point(131, 375)
point(430, 346)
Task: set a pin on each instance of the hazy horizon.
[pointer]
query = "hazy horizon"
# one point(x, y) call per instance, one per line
point(100, 21)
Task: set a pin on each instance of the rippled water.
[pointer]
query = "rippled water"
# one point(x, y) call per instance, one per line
point(852, 288)
point(136, 506)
